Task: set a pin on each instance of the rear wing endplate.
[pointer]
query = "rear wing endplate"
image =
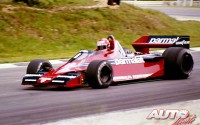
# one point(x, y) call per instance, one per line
point(145, 42)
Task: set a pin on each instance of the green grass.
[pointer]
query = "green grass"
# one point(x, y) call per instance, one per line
point(71, 2)
point(28, 34)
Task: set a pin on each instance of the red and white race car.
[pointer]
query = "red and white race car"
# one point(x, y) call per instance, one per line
point(111, 63)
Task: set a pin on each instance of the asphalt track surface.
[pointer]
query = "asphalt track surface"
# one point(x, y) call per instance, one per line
point(26, 105)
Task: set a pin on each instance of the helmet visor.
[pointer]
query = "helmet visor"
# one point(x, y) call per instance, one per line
point(101, 47)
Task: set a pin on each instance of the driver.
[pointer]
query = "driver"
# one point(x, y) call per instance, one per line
point(103, 44)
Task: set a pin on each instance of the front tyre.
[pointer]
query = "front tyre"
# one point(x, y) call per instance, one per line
point(99, 74)
point(38, 65)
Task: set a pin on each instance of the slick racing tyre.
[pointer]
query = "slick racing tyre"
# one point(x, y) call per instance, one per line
point(99, 74)
point(178, 63)
point(38, 65)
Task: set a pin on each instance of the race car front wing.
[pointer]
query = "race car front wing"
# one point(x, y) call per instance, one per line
point(67, 80)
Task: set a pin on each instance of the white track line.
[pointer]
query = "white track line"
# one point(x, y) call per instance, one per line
point(7, 65)
point(133, 116)
point(195, 48)
point(185, 18)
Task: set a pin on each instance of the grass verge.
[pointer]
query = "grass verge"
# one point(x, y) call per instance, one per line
point(26, 34)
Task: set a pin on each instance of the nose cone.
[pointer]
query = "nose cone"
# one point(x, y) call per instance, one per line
point(47, 78)
point(44, 80)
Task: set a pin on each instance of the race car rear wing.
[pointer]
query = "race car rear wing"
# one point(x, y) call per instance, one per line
point(145, 42)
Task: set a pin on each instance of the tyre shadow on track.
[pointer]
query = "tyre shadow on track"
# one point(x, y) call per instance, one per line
point(55, 89)
point(86, 87)
point(137, 81)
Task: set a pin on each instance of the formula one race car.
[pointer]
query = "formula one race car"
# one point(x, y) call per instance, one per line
point(111, 63)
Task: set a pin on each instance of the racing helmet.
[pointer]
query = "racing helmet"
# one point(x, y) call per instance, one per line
point(103, 44)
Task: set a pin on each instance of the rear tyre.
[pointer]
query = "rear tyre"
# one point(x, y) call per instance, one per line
point(99, 74)
point(38, 65)
point(178, 63)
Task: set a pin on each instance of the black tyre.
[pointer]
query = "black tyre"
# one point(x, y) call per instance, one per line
point(38, 65)
point(178, 63)
point(99, 74)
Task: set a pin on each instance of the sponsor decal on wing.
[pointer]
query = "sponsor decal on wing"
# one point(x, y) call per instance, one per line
point(164, 40)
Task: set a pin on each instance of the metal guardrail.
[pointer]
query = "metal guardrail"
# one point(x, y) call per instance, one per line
point(196, 3)
point(145, 3)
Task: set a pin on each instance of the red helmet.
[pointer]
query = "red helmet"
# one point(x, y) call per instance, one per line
point(103, 44)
